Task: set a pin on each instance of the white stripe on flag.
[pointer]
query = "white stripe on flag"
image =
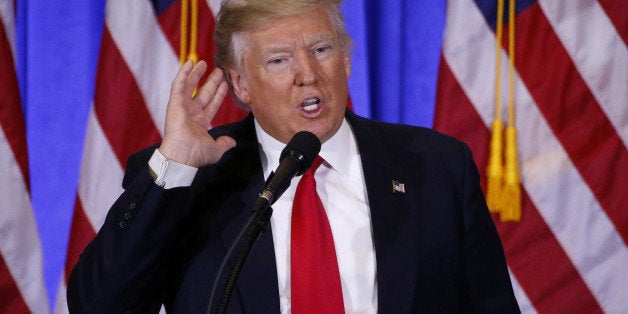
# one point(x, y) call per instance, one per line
point(61, 305)
point(101, 174)
point(7, 18)
point(214, 6)
point(20, 246)
point(553, 183)
point(598, 52)
point(522, 299)
point(143, 45)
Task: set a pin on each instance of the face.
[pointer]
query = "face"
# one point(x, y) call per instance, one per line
point(294, 76)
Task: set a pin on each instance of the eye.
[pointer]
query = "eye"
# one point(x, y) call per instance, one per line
point(276, 61)
point(322, 50)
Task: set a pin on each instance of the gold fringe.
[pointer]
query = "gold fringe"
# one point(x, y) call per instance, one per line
point(189, 30)
point(192, 54)
point(503, 191)
point(495, 165)
point(189, 21)
point(183, 40)
point(511, 195)
point(495, 170)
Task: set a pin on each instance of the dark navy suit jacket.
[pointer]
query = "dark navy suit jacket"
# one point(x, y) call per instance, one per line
point(437, 250)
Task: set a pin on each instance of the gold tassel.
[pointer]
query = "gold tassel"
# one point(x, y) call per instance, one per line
point(192, 54)
point(511, 195)
point(495, 165)
point(495, 170)
point(183, 40)
point(189, 22)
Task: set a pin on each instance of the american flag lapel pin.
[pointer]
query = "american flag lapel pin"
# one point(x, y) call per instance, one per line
point(398, 187)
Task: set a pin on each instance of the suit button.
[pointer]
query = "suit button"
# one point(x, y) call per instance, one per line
point(127, 215)
point(122, 224)
point(132, 206)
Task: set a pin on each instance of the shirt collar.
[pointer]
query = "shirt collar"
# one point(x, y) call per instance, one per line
point(337, 151)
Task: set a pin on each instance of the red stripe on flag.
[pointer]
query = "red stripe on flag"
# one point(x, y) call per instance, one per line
point(11, 115)
point(81, 234)
point(573, 114)
point(617, 12)
point(456, 116)
point(542, 268)
point(170, 23)
point(12, 301)
point(539, 264)
point(119, 105)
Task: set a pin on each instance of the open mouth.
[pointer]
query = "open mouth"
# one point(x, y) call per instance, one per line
point(310, 104)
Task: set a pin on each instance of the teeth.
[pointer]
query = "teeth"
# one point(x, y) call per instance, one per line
point(311, 101)
point(311, 104)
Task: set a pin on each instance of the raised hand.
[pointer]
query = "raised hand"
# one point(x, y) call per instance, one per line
point(188, 117)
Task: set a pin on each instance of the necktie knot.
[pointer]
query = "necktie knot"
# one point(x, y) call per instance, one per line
point(317, 162)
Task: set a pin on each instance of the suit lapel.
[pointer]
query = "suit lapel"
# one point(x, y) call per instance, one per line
point(392, 217)
point(257, 287)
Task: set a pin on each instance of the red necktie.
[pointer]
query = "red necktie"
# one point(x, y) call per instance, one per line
point(315, 278)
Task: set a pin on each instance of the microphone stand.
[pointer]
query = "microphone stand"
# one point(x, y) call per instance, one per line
point(294, 160)
point(257, 223)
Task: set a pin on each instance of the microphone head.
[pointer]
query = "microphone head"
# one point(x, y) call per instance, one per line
point(304, 147)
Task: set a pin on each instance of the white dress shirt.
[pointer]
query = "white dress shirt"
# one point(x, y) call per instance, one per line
point(341, 187)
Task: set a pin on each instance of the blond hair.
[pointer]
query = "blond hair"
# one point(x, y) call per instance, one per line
point(245, 16)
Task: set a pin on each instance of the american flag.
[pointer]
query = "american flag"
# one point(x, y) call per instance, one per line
point(22, 288)
point(568, 253)
point(139, 57)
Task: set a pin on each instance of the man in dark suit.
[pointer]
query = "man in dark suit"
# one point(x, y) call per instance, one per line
point(410, 226)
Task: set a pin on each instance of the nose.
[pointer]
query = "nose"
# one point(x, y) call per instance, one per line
point(306, 72)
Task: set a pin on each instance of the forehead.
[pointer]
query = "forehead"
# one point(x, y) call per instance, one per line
point(305, 28)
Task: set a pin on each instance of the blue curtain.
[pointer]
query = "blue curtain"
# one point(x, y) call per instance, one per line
point(395, 58)
point(395, 62)
point(58, 43)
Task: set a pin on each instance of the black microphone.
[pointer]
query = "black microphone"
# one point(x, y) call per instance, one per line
point(295, 159)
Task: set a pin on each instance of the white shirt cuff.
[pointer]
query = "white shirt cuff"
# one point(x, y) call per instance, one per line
point(170, 174)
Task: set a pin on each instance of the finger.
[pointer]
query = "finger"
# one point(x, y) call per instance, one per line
point(206, 115)
point(208, 90)
point(195, 76)
point(216, 101)
point(224, 143)
point(179, 80)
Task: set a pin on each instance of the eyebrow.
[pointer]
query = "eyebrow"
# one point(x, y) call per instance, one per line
point(281, 49)
point(320, 38)
point(274, 50)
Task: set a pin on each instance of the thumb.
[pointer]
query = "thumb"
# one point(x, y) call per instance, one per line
point(225, 143)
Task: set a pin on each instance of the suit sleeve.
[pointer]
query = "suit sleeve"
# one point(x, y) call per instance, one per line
point(488, 287)
point(123, 269)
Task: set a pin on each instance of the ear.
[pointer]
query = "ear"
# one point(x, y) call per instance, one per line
point(239, 84)
point(347, 62)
